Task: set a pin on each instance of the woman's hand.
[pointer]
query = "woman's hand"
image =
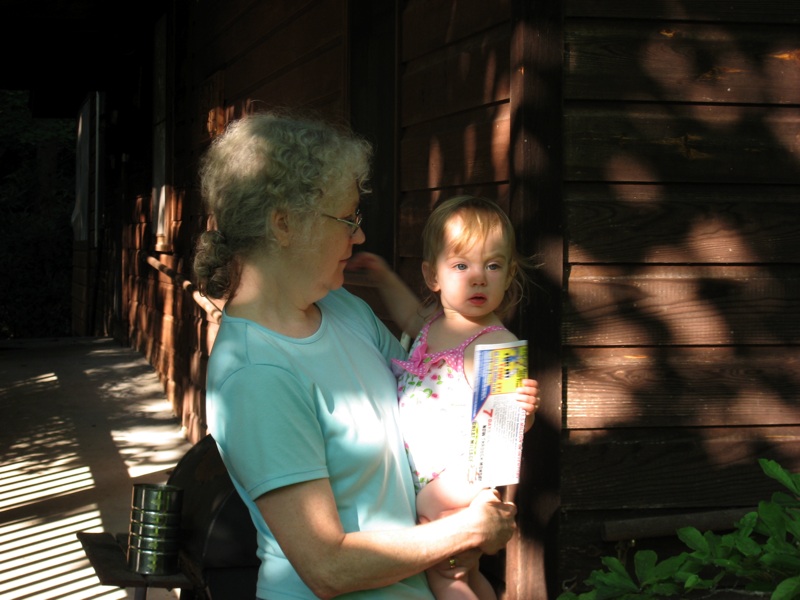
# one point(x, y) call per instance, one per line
point(370, 270)
point(367, 269)
point(528, 397)
point(496, 518)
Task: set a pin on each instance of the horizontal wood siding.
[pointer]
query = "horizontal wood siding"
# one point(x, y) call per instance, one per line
point(681, 319)
point(638, 469)
point(688, 387)
point(682, 223)
point(665, 60)
point(731, 11)
point(466, 149)
point(683, 143)
point(276, 54)
point(683, 305)
point(454, 111)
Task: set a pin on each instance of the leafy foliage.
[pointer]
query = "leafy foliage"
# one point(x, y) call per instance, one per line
point(761, 555)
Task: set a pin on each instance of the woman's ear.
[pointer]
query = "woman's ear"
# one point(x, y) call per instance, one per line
point(429, 274)
point(278, 225)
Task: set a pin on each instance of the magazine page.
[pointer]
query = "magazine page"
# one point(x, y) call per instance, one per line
point(498, 421)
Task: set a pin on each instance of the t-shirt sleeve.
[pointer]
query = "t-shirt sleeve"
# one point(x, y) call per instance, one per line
point(272, 437)
point(362, 315)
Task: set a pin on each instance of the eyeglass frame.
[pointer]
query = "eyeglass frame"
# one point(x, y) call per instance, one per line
point(355, 225)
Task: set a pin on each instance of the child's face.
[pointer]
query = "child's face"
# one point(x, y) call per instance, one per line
point(474, 280)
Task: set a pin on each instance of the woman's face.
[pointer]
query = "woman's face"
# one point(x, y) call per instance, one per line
point(333, 238)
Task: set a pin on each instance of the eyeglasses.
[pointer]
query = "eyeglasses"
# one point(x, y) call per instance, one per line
point(353, 223)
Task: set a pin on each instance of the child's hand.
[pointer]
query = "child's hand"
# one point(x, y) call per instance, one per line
point(528, 397)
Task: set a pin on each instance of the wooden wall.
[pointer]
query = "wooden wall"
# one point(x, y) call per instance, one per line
point(681, 318)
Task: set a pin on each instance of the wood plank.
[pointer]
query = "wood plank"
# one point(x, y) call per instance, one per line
point(237, 27)
point(284, 49)
point(663, 525)
point(681, 143)
point(305, 85)
point(535, 208)
point(683, 305)
point(467, 149)
point(431, 24)
point(459, 77)
point(682, 62)
point(610, 388)
point(708, 468)
point(678, 223)
point(208, 21)
point(733, 11)
point(415, 207)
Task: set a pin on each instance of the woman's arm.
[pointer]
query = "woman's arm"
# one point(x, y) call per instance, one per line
point(304, 521)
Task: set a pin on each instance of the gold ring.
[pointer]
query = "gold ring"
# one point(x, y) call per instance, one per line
point(452, 563)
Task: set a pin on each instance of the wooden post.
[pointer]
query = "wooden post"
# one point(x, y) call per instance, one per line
point(535, 209)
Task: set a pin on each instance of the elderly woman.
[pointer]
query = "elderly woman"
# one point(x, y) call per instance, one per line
point(301, 399)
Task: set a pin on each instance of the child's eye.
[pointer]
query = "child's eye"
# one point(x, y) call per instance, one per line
point(494, 267)
point(460, 267)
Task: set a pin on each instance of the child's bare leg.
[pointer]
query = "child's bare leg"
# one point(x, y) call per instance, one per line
point(444, 494)
point(472, 587)
point(481, 586)
point(445, 588)
point(439, 497)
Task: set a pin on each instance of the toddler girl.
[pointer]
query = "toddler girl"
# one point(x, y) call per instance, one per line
point(472, 268)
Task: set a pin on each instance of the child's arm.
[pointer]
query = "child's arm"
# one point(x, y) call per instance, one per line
point(403, 305)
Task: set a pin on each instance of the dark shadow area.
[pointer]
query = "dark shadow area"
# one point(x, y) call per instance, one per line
point(37, 194)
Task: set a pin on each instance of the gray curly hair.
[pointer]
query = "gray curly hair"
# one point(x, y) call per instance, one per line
point(265, 162)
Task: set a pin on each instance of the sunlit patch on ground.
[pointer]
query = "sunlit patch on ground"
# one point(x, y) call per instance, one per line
point(84, 421)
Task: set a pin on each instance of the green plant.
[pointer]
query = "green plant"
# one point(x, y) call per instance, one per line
point(761, 555)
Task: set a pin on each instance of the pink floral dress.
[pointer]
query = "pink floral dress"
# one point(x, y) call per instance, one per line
point(435, 404)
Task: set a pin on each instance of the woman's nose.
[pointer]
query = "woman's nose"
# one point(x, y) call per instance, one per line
point(359, 237)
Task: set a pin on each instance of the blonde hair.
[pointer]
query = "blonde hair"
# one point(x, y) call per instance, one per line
point(479, 216)
point(265, 162)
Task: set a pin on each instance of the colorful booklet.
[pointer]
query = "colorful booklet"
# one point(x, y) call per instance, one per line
point(498, 421)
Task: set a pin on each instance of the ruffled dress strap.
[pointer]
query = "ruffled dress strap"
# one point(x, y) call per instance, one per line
point(420, 360)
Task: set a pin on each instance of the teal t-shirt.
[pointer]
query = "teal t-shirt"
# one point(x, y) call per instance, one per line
point(285, 410)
